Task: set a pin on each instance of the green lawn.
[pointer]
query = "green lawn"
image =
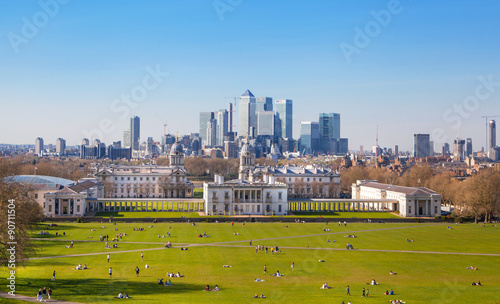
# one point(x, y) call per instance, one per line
point(421, 277)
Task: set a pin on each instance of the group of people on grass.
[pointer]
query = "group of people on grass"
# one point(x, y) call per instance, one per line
point(81, 267)
point(207, 288)
point(43, 294)
point(123, 295)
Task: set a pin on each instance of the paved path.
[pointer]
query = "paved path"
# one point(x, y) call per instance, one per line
point(31, 299)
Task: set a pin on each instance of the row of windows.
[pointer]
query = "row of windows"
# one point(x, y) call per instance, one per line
point(135, 178)
point(268, 195)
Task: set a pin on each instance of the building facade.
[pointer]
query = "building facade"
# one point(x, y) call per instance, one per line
point(412, 201)
point(284, 111)
point(39, 146)
point(421, 145)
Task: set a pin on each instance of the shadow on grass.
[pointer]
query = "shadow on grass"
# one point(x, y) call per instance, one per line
point(94, 290)
point(108, 214)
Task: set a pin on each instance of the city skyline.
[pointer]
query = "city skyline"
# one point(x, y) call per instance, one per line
point(410, 77)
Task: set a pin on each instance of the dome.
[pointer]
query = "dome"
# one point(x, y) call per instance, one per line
point(176, 147)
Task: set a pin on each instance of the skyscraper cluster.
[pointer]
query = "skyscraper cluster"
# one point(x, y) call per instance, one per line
point(323, 137)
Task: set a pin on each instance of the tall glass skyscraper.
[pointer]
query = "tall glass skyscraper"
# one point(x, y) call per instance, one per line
point(247, 114)
point(309, 137)
point(205, 117)
point(329, 131)
point(284, 110)
point(421, 145)
point(264, 104)
point(265, 123)
point(222, 126)
point(135, 132)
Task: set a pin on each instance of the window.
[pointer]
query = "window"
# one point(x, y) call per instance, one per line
point(214, 195)
point(36, 195)
point(409, 209)
point(154, 178)
point(140, 178)
point(147, 178)
point(78, 208)
point(279, 208)
point(280, 195)
point(50, 208)
point(268, 194)
point(435, 209)
point(116, 178)
point(308, 179)
point(226, 194)
point(320, 179)
point(128, 178)
point(135, 178)
point(122, 178)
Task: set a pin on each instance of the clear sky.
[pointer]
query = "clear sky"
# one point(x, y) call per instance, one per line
point(408, 66)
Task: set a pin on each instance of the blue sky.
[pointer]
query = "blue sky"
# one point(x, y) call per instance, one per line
point(420, 72)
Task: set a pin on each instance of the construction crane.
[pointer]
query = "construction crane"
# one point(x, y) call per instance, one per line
point(486, 118)
point(164, 125)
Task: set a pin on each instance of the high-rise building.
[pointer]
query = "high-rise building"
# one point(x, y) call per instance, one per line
point(211, 133)
point(493, 135)
point(60, 146)
point(135, 132)
point(458, 149)
point(126, 139)
point(230, 118)
point(222, 126)
point(264, 104)
point(205, 117)
point(265, 123)
point(446, 149)
point(329, 131)
point(421, 145)
point(396, 150)
point(247, 115)
point(468, 147)
point(284, 110)
point(309, 137)
point(39, 146)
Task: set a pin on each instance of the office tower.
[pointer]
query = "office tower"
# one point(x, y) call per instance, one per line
point(247, 117)
point(211, 133)
point(85, 142)
point(329, 125)
point(222, 126)
point(468, 147)
point(135, 132)
point(458, 149)
point(396, 150)
point(446, 149)
point(266, 123)
point(421, 145)
point(205, 117)
point(126, 139)
point(39, 146)
point(309, 137)
point(431, 148)
point(361, 149)
point(493, 135)
point(329, 131)
point(284, 110)
point(60, 146)
point(264, 104)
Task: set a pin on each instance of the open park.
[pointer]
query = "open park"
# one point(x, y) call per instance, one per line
point(429, 262)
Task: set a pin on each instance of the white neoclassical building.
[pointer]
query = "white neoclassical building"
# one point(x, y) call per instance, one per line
point(147, 181)
point(71, 200)
point(245, 196)
point(412, 201)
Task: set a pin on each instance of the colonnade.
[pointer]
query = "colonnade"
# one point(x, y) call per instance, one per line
point(138, 205)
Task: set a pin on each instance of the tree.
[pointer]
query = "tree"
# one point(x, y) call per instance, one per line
point(19, 211)
point(317, 188)
point(484, 189)
point(298, 187)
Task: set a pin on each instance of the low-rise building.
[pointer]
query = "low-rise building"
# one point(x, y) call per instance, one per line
point(412, 201)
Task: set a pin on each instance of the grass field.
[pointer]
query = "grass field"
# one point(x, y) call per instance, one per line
point(432, 269)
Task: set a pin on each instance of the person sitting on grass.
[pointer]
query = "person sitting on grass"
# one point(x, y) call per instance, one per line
point(386, 292)
point(374, 282)
point(392, 272)
point(262, 296)
point(325, 286)
point(126, 295)
point(216, 288)
point(278, 274)
point(255, 296)
point(391, 292)
point(169, 283)
point(207, 288)
point(120, 296)
point(160, 281)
